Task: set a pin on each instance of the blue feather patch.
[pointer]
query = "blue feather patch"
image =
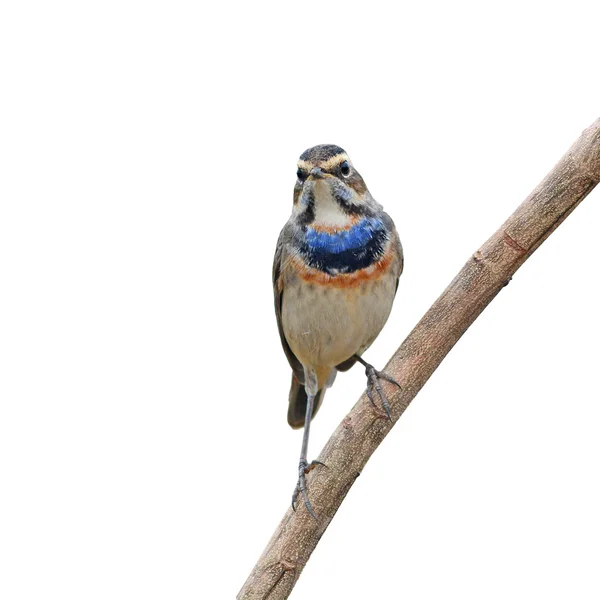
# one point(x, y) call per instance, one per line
point(356, 237)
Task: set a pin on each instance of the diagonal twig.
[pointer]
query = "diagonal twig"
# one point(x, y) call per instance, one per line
point(486, 272)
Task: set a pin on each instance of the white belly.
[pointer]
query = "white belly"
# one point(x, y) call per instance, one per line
point(325, 326)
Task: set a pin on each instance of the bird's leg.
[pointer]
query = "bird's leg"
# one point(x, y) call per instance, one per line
point(373, 377)
point(304, 466)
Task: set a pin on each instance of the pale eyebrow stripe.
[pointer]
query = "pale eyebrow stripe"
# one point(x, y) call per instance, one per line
point(328, 164)
point(335, 160)
point(302, 164)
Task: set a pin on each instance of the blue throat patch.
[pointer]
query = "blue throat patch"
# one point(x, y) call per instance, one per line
point(351, 239)
point(345, 251)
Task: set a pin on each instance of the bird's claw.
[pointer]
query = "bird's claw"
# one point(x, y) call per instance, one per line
point(303, 468)
point(373, 377)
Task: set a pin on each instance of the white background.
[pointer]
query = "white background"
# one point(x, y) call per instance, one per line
point(148, 156)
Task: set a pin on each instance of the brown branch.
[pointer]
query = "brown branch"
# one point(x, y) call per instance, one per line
point(478, 282)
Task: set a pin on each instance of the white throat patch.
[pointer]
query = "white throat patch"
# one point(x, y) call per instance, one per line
point(327, 211)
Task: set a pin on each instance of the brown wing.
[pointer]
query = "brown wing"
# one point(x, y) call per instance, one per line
point(278, 293)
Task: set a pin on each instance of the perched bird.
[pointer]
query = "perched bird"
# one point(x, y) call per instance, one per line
point(335, 275)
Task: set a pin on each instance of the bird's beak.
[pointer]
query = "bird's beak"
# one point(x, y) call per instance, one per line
point(317, 173)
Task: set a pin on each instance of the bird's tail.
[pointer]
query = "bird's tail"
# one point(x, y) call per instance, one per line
point(298, 400)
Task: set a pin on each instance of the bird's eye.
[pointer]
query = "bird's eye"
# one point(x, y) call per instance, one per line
point(301, 175)
point(345, 168)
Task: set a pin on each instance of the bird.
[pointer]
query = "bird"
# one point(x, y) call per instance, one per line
point(336, 270)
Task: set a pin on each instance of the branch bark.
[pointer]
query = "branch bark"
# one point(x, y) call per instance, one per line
point(360, 433)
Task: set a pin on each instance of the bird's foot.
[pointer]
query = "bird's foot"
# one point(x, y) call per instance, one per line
point(303, 468)
point(373, 383)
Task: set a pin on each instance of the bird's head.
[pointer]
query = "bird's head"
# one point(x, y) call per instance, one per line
point(328, 183)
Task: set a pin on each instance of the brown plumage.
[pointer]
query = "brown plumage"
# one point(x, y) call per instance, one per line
point(335, 275)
